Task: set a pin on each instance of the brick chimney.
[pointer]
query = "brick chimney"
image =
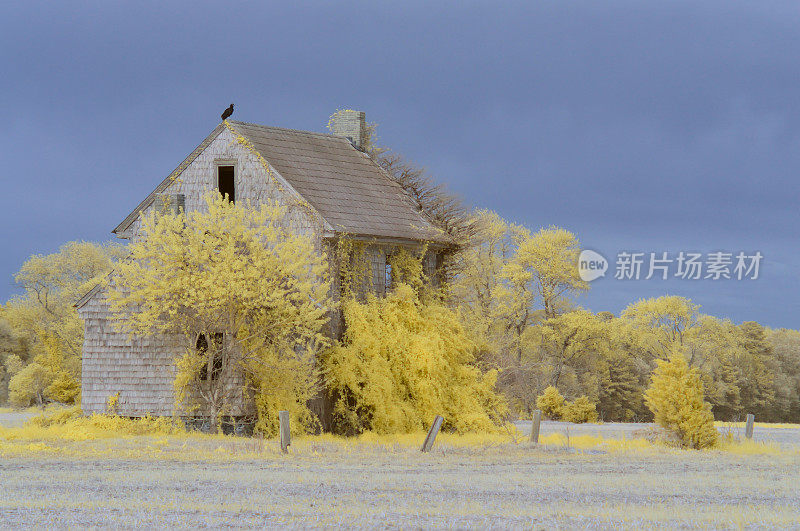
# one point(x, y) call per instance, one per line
point(352, 125)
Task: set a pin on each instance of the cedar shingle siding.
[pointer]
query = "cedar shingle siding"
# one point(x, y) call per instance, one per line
point(347, 193)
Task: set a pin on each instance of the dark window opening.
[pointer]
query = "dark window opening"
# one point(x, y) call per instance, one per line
point(226, 182)
point(216, 364)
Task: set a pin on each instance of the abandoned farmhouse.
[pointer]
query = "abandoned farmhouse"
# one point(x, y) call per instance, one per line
point(343, 191)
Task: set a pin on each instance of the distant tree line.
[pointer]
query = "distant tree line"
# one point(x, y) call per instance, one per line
point(517, 289)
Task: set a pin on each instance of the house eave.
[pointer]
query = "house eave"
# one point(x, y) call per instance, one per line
point(389, 240)
point(80, 303)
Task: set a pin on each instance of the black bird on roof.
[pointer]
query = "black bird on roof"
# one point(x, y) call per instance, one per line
point(227, 113)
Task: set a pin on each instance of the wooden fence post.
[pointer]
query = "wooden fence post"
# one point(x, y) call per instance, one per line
point(435, 427)
point(535, 424)
point(748, 428)
point(286, 439)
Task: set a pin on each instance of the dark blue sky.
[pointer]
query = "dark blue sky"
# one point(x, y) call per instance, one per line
point(649, 126)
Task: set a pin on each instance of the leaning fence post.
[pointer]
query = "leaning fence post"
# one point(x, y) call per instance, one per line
point(748, 428)
point(286, 440)
point(435, 427)
point(535, 424)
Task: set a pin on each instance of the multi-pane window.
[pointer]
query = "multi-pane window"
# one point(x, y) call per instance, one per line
point(387, 278)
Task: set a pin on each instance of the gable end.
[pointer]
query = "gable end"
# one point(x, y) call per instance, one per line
point(128, 221)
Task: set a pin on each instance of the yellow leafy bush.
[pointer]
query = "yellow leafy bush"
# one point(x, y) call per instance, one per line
point(579, 411)
point(283, 383)
point(677, 401)
point(49, 377)
point(551, 403)
point(112, 403)
point(61, 416)
point(28, 385)
point(71, 425)
point(64, 388)
point(402, 362)
point(554, 407)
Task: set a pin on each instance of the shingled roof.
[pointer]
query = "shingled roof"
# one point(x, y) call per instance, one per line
point(348, 189)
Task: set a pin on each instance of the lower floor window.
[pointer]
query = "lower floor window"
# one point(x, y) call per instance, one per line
point(202, 347)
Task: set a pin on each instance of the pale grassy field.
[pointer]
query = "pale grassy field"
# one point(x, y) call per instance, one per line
point(598, 476)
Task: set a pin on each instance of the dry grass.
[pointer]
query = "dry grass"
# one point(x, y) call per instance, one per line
point(64, 432)
point(121, 473)
point(216, 481)
point(741, 425)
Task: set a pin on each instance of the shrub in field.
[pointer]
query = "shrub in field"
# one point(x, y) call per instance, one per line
point(676, 399)
point(551, 403)
point(579, 411)
point(36, 384)
point(45, 420)
point(28, 385)
point(554, 407)
point(404, 361)
point(70, 424)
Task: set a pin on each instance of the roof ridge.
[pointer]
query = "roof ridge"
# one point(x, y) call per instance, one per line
point(348, 189)
point(288, 130)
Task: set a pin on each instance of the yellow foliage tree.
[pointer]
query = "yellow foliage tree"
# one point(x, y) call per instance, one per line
point(676, 399)
point(11, 350)
point(547, 262)
point(46, 378)
point(736, 363)
point(664, 322)
point(246, 294)
point(508, 281)
point(402, 362)
point(570, 336)
point(551, 403)
point(477, 287)
point(28, 385)
point(44, 321)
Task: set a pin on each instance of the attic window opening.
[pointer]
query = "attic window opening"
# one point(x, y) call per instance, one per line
point(226, 182)
point(201, 346)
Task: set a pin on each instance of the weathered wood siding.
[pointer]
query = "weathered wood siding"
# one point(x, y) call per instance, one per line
point(141, 370)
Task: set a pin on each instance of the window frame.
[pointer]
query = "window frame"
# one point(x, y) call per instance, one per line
point(219, 163)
